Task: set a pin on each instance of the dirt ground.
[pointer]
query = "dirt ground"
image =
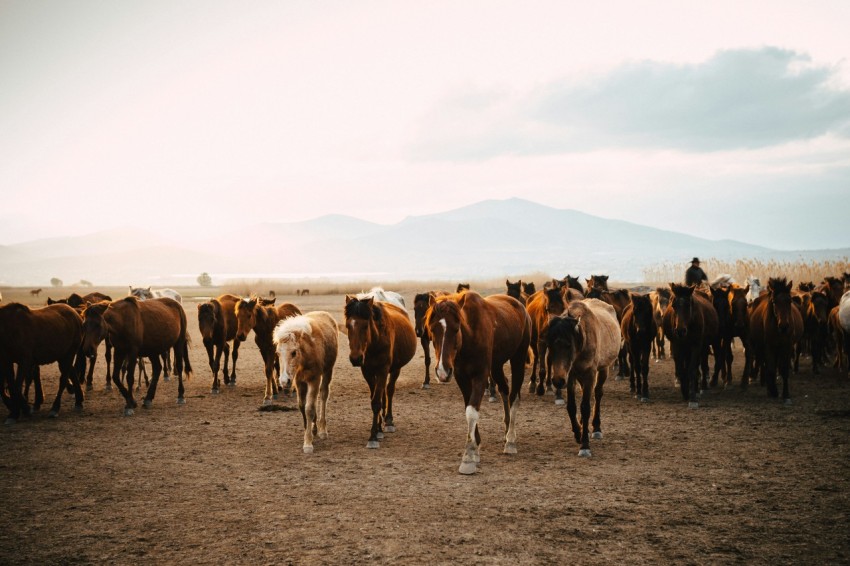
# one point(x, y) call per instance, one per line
point(216, 481)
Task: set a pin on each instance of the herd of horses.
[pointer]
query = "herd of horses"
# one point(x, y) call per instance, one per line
point(571, 335)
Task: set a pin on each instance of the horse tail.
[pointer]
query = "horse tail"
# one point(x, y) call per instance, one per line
point(187, 365)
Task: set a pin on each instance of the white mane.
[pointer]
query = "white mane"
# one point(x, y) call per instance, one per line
point(755, 288)
point(378, 294)
point(722, 281)
point(287, 328)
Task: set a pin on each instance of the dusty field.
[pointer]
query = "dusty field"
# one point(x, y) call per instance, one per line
point(741, 479)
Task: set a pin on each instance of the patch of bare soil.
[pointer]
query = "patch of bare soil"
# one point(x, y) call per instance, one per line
point(741, 479)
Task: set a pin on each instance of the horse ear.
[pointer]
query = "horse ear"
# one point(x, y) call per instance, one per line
point(199, 306)
point(747, 288)
point(507, 282)
point(431, 300)
point(349, 298)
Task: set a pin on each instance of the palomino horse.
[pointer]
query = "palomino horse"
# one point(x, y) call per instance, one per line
point(149, 329)
point(30, 338)
point(217, 323)
point(381, 340)
point(776, 327)
point(251, 315)
point(690, 324)
point(307, 346)
point(421, 302)
point(660, 299)
point(474, 337)
point(639, 332)
point(541, 307)
point(145, 293)
point(583, 344)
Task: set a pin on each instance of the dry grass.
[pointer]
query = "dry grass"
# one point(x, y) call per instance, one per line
point(800, 270)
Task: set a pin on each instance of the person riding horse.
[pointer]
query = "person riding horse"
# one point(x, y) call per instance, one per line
point(695, 275)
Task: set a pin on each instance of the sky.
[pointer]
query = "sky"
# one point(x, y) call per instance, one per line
point(722, 119)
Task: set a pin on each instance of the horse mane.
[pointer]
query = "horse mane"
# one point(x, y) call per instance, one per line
point(288, 327)
point(364, 308)
point(779, 284)
point(566, 326)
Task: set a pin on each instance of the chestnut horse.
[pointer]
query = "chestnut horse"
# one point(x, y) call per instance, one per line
point(307, 346)
point(541, 307)
point(381, 341)
point(251, 315)
point(690, 324)
point(31, 338)
point(474, 337)
point(583, 344)
point(151, 329)
point(217, 323)
point(79, 304)
point(639, 332)
point(776, 327)
point(421, 302)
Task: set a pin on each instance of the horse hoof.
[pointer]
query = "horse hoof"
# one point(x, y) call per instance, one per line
point(510, 448)
point(467, 468)
point(426, 386)
point(644, 399)
point(89, 387)
point(389, 428)
point(10, 421)
point(492, 399)
point(215, 391)
point(323, 435)
point(560, 401)
point(597, 435)
point(107, 388)
point(619, 378)
point(693, 405)
point(788, 402)
point(308, 449)
point(274, 396)
point(52, 414)
point(373, 444)
point(267, 402)
point(181, 401)
point(380, 436)
point(584, 453)
point(147, 404)
point(129, 412)
point(166, 379)
point(232, 384)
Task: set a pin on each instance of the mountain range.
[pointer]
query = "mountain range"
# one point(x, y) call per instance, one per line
point(491, 238)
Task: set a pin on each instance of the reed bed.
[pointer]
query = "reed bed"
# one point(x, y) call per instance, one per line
point(797, 270)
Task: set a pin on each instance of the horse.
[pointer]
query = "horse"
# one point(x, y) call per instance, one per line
point(619, 299)
point(79, 303)
point(303, 292)
point(839, 322)
point(145, 293)
point(740, 324)
point(815, 329)
point(690, 324)
point(217, 324)
point(35, 292)
point(378, 294)
point(461, 287)
point(600, 281)
point(94, 332)
point(723, 280)
point(754, 285)
point(307, 346)
point(421, 303)
point(474, 337)
point(776, 327)
point(805, 286)
point(514, 289)
point(639, 333)
point(541, 307)
point(149, 329)
point(31, 338)
point(583, 343)
point(381, 340)
point(660, 299)
point(76, 301)
point(251, 315)
point(721, 301)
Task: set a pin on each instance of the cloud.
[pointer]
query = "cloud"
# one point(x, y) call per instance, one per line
point(737, 99)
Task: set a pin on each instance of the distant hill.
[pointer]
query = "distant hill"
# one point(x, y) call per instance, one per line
point(489, 238)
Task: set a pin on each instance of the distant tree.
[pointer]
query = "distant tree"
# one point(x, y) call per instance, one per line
point(204, 279)
point(56, 282)
point(85, 283)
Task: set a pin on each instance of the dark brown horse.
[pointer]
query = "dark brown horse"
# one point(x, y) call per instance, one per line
point(738, 304)
point(722, 303)
point(514, 289)
point(776, 327)
point(151, 329)
point(31, 338)
point(474, 337)
point(251, 315)
point(461, 287)
point(596, 281)
point(639, 332)
point(217, 323)
point(381, 341)
point(541, 307)
point(815, 329)
point(95, 332)
point(690, 324)
point(660, 299)
point(421, 303)
point(583, 344)
point(78, 302)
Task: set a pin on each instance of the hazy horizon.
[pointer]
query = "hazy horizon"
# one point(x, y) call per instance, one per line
point(721, 121)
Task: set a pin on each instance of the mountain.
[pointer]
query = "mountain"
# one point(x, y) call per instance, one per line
point(486, 239)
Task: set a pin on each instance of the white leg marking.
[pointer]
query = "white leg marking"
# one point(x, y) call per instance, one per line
point(441, 371)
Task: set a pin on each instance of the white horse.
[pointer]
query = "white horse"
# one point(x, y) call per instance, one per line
point(378, 294)
point(755, 288)
point(722, 281)
point(143, 293)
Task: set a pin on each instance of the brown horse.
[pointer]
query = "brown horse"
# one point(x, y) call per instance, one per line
point(251, 315)
point(542, 306)
point(619, 299)
point(79, 303)
point(35, 292)
point(660, 299)
point(596, 281)
point(722, 303)
point(31, 338)
point(307, 346)
point(690, 324)
point(514, 290)
point(776, 327)
point(421, 302)
point(474, 337)
point(461, 287)
point(217, 323)
point(95, 332)
point(381, 341)
point(639, 332)
point(151, 329)
point(583, 344)
point(738, 304)
point(815, 329)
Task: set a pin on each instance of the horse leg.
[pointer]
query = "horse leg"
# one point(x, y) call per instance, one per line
point(234, 356)
point(472, 455)
point(39, 389)
point(226, 372)
point(601, 377)
point(586, 381)
point(19, 403)
point(491, 391)
point(390, 393)
point(209, 347)
point(634, 376)
point(541, 367)
point(324, 391)
point(645, 354)
point(784, 370)
point(128, 358)
point(534, 362)
point(270, 391)
point(156, 371)
point(89, 379)
point(310, 426)
point(166, 367)
point(719, 363)
point(571, 408)
point(108, 356)
point(695, 359)
point(427, 349)
point(180, 353)
point(769, 372)
point(379, 386)
point(67, 378)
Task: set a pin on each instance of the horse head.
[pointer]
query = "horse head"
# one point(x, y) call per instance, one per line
point(514, 289)
point(421, 302)
point(246, 317)
point(291, 337)
point(682, 305)
point(642, 312)
point(779, 296)
point(819, 307)
point(738, 308)
point(461, 287)
point(528, 288)
point(565, 340)
point(208, 315)
point(363, 319)
point(556, 299)
point(445, 324)
point(720, 300)
point(95, 328)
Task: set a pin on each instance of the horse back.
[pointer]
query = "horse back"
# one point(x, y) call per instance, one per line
point(512, 326)
point(228, 314)
point(399, 334)
point(163, 324)
point(52, 332)
point(598, 322)
point(324, 332)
